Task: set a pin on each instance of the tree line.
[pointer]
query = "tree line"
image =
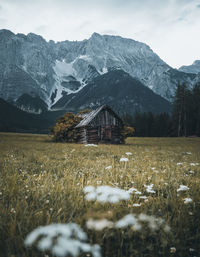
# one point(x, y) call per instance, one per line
point(184, 120)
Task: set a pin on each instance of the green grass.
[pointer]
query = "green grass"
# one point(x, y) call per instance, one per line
point(42, 183)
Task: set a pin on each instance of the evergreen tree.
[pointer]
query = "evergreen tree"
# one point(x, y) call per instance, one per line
point(196, 109)
point(180, 110)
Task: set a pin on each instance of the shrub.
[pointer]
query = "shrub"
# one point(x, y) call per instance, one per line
point(64, 130)
point(127, 132)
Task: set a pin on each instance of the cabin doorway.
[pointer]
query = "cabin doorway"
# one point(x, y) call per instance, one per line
point(106, 134)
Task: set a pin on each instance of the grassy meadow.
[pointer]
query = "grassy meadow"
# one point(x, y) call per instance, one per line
point(42, 182)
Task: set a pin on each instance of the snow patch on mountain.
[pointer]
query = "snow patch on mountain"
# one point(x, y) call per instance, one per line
point(65, 74)
point(85, 57)
point(62, 68)
point(104, 70)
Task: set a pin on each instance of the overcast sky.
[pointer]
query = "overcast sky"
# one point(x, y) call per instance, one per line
point(170, 27)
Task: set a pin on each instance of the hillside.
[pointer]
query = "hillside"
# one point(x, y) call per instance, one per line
point(14, 119)
point(120, 91)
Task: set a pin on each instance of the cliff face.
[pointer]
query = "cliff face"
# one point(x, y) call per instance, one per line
point(193, 68)
point(30, 65)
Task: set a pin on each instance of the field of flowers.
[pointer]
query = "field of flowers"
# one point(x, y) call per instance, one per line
point(139, 199)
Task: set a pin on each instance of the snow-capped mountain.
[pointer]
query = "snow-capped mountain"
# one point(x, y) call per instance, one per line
point(193, 68)
point(30, 65)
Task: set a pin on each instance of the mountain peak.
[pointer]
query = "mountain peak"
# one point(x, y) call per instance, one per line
point(95, 34)
point(6, 32)
point(35, 37)
point(193, 68)
point(197, 62)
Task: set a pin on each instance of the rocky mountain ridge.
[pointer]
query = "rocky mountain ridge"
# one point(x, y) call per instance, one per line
point(31, 65)
point(193, 68)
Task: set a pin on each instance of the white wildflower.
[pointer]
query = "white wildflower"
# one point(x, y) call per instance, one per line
point(179, 163)
point(99, 224)
point(188, 153)
point(132, 189)
point(191, 172)
point(108, 167)
point(187, 200)
point(143, 197)
point(137, 193)
point(12, 210)
point(172, 250)
point(149, 189)
point(91, 145)
point(182, 188)
point(194, 164)
point(61, 240)
point(124, 160)
point(136, 204)
point(128, 153)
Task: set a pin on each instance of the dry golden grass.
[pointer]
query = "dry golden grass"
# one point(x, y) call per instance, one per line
point(42, 183)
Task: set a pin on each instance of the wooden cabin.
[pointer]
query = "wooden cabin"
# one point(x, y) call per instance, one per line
point(100, 126)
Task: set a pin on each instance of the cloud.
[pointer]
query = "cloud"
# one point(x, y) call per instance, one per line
point(41, 29)
point(170, 27)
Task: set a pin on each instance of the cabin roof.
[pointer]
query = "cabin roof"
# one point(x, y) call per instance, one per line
point(88, 117)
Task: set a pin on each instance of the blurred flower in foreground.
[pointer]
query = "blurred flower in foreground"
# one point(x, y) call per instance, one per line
point(62, 240)
point(129, 220)
point(105, 194)
point(99, 224)
point(136, 222)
